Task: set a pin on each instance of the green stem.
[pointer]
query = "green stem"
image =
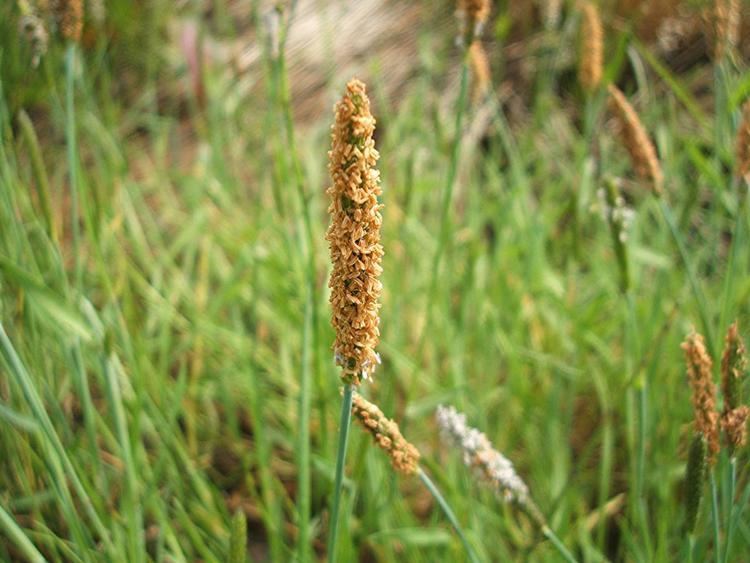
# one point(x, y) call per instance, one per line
point(17, 535)
point(72, 150)
point(437, 495)
point(730, 526)
point(346, 417)
point(697, 291)
point(715, 518)
point(561, 549)
point(448, 189)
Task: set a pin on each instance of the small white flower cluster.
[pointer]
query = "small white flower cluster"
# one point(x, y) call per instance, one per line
point(32, 28)
point(489, 465)
point(615, 213)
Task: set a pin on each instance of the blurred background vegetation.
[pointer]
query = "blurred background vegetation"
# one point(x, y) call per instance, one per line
point(153, 274)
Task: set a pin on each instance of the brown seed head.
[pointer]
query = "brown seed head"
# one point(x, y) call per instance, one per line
point(70, 19)
point(704, 392)
point(733, 366)
point(385, 432)
point(743, 144)
point(727, 20)
point(354, 235)
point(472, 15)
point(734, 424)
point(480, 67)
point(592, 48)
point(634, 137)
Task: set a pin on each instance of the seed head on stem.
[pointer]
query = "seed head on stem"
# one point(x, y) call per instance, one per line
point(733, 368)
point(404, 456)
point(354, 235)
point(699, 367)
point(636, 140)
point(592, 48)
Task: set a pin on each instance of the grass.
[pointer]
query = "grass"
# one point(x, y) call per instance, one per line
point(165, 345)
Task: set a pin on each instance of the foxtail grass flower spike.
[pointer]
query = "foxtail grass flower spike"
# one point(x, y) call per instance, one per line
point(704, 392)
point(472, 16)
point(743, 144)
point(733, 368)
point(636, 140)
point(404, 456)
point(70, 19)
point(592, 48)
point(488, 465)
point(480, 67)
point(354, 236)
point(695, 476)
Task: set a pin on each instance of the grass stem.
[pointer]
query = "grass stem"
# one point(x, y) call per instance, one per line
point(346, 418)
point(437, 495)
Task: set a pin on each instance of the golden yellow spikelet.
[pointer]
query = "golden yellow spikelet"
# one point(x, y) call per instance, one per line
point(592, 48)
point(354, 235)
point(636, 140)
point(743, 144)
point(704, 391)
point(70, 19)
point(472, 15)
point(480, 67)
point(404, 456)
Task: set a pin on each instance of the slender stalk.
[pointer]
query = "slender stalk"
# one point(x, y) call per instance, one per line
point(438, 496)
point(561, 549)
point(40, 173)
point(16, 534)
point(732, 489)
point(450, 182)
point(715, 518)
point(72, 151)
point(346, 418)
point(697, 291)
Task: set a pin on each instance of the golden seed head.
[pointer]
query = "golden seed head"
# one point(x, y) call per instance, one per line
point(727, 20)
point(385, 432)
point(70, 19)
point(592, 48)
point(734, 424)
point(472, 15)
point(743, 144)
point(480, 67)
point(354, 235)
point(733, 366)
point(634, 137)
point(704, 392)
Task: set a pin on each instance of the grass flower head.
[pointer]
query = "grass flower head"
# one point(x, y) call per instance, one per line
point(636, 140)
point(704, 391)
point(404, 456)
point(354, 235)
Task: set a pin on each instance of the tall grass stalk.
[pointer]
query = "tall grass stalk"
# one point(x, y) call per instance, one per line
point(309, 338)
point(59, 461)
point(344, 425)
point(447, 196)
point(17, 536)
point(440, 499)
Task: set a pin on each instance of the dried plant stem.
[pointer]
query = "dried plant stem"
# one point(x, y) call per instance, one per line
point(437, 495)
point(344, 424)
